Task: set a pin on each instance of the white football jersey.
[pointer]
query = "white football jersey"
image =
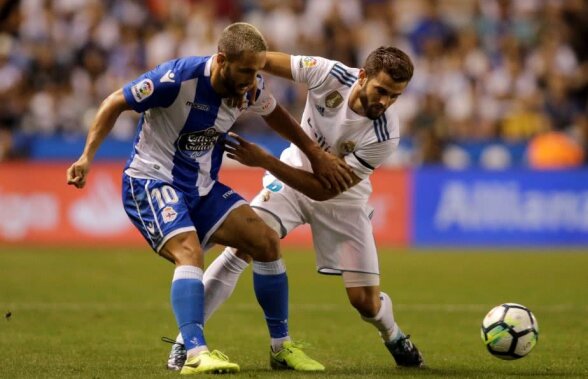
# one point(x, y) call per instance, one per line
point(328, 119)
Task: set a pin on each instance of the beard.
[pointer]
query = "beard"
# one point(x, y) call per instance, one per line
point(230, 84)
point(372, 111)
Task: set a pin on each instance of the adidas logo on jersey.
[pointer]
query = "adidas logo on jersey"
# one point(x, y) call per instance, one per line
point(320, 109)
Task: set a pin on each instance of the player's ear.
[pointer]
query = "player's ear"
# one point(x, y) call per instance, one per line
point(362, 77)
point(221, 59)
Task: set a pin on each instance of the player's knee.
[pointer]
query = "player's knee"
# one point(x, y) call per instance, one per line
point(183, 249)
point(364, 302)
point(268, 246)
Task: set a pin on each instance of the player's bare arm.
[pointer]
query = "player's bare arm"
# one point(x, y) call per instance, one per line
point(305, 182)
point(107, 115)
point(278, 64)
point(332, 172)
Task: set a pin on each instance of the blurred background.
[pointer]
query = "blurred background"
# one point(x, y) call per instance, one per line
point(500, 93)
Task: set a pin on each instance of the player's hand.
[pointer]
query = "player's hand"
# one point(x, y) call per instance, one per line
point(332, 171)
point(245, 152)
point(78, 172)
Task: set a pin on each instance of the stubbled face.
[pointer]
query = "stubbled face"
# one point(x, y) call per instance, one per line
point(378, 93)
point(238, 76)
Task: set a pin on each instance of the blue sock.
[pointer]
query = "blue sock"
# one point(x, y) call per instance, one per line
point(187, 298)
point(271, 289)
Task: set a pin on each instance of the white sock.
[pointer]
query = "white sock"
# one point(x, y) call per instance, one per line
point(384, 320)
point(278, 343)
point(220, 279)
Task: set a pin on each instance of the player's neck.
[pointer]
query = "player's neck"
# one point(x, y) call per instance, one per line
point(215, 78)
point(354, 102)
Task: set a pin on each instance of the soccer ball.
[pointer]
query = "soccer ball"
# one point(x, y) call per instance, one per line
point(510, 331)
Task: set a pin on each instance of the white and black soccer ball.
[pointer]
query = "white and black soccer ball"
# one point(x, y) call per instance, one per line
point(510, 331)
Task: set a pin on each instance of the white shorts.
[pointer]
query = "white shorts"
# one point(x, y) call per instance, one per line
point(341, 233)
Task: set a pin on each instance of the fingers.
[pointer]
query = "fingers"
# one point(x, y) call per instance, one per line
point(240, 139)
point(345, 174)
point(76, 176)
point(325, 182)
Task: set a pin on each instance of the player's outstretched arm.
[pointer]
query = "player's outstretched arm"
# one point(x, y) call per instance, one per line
point(103, 123)
point(305, 182)
point(278, 64)
point(331, 171)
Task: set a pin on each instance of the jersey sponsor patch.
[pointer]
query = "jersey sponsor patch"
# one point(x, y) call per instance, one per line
point(308, 62)
point(142, 90)
point(196, 144)
point(333, 100)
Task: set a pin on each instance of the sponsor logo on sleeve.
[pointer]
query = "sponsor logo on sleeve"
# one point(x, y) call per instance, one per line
point(266, 103)
point(308, 62)
point(142, 90)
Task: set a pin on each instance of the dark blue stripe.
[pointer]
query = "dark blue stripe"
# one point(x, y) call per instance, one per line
point(377, 129)
point(217, 157)
point(363, 162)
point(346, 74)
point(336, 75)
point(385, 126)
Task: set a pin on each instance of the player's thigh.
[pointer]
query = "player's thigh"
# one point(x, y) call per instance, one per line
point(210, 212)
point(343, 239)
point(183, 249)
point(157, 209)
point(244, 230)
point(281, 208)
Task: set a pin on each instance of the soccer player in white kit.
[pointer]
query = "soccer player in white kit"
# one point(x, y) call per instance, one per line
point(349, 113)
point(170, 183)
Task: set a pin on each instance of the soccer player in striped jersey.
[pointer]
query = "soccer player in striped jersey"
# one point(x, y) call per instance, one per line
point(349, 113)
point(170, 183)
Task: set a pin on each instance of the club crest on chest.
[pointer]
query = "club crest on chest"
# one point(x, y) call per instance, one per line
point(333, 99)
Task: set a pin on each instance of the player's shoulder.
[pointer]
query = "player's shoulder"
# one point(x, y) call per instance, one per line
point(184, 68)
point(386, 128)
point(339, 74)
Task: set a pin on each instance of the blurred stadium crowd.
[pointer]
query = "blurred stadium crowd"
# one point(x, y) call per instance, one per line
point(491, 73)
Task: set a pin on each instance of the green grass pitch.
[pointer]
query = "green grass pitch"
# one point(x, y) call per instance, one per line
point(100, 314)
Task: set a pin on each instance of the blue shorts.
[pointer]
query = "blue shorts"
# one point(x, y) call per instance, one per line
point(161, 211)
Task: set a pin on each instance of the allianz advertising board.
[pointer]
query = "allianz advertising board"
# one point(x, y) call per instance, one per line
point(513, 207)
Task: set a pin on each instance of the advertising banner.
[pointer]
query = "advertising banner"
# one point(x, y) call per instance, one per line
point(38, 208)
point(510, 208)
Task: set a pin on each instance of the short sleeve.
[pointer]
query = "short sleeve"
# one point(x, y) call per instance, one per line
point(265, 103)
point(363, 162)
point(310, 70)
point(156, 88)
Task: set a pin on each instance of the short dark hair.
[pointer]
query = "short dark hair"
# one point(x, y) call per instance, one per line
point(239, 37)
point(392, 61)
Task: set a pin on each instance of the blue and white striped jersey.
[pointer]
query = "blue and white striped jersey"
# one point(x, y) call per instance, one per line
point(183, 123)
point(364, 144)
